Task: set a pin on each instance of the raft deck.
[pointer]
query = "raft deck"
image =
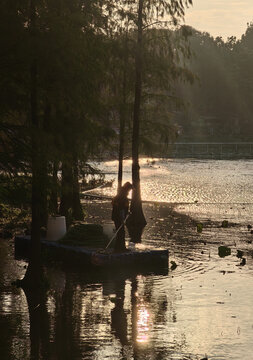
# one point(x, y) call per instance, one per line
point(93, 257)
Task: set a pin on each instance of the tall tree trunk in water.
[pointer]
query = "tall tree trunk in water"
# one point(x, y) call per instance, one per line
point(54, 189)
point(121, 147)
point(66, 191)
point(34, 272)
point(44, 192)
point(70, 205)
point(137, 220)
point(76, 203)
point(122, 123)
point(44, 168)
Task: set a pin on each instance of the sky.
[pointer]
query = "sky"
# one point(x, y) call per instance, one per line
point(220, 17)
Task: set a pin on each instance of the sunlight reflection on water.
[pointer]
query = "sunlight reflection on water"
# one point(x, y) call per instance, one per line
point(143, 324)
point(187, 181)
point(202, 186)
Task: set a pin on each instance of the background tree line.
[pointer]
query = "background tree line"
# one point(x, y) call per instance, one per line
point(220, 100)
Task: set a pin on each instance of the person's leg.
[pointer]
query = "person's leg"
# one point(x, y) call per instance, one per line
point(120, 239)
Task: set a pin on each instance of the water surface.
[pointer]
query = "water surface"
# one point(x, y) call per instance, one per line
point(203, 307)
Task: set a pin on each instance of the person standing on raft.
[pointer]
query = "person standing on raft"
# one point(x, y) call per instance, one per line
point(120, 206)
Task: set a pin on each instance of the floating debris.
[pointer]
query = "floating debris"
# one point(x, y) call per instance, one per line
point(199, 227)
point(223, 272)
point(243, 262)
point(239, 254)
point(173, 265)
point(224, 251)
point(224, 224)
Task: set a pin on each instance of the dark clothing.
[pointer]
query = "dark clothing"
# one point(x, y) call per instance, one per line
point(120, 239)
point(120, 205)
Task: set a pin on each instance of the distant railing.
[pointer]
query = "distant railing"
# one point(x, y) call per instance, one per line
point(211, 150)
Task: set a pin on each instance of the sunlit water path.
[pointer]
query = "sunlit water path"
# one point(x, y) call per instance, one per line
point(200, 187)
point(187, 180)
point(203, 306)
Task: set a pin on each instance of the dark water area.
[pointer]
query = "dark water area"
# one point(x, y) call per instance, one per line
point(201, 307)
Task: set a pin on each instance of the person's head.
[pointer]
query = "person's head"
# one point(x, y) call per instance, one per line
point(127, 187)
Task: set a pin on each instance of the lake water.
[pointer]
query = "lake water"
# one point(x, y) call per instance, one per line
point(202, 308)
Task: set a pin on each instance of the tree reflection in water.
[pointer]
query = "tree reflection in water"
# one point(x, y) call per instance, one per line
point(66, 347)
point(118, 314)
point(39, 324)
point(77, 317)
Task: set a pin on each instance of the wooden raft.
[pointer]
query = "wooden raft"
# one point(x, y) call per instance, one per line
point(92, 257)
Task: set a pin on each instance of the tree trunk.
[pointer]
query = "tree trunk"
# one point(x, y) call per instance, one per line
point(44, 192)
point(34, 273)
point(137, 220)
point(44, 167)
point(66, 191)
point(121, 150)
point(122, 124)
point(76, 202)
point(54, 189)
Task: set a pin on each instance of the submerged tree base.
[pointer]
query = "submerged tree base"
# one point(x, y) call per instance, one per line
point(135, 227)
point(34, 279)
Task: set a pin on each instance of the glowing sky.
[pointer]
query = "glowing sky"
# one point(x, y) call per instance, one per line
point(220, 17)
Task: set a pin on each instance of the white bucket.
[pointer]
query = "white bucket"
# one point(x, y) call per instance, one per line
point(56, 227)
point(108, 230)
